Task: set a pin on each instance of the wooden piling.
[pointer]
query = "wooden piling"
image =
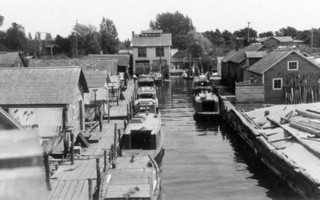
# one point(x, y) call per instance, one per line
point(115, 140)
point(98, 171)
point(109, 111)
point(104, 160)
point(118, 148)
point(47, 169)
point(72, 149)
point(90, 189)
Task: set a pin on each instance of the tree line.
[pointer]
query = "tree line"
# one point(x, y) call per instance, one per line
point(88, 39)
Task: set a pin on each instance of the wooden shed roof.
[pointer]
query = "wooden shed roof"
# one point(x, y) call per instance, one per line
point(40, 85)
point(92, 64)
point(123, 59)
point(7, 59)
point(96, 79)
point(239, 56)
point(151, 41)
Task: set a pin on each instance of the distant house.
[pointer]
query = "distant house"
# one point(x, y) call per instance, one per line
point(282, 73)
point(96, 99)
point(273, 41)
point(183, 60)
point(150, 49)
point(233, 63)
point(10, 59)
point(123, 60)
point(50, 100)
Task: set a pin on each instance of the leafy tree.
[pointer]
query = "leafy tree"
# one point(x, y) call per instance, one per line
point(109, 37)
point(64, 46)
point(201, 47)
point(85, 39)
point(289, 31)
point(266, 34)
point(215, 37)
point(29, 36)
point(127, 43)
point(1, 20)
point(15, 38)
point(175, 23)
point(48, 36)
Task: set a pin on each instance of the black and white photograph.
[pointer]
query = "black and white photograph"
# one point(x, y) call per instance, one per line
point(159, 100)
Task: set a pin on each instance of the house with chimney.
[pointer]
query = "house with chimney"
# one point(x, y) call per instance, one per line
point(150, 49)
point(276, 41)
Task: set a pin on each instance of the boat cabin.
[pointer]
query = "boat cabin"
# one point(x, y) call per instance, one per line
point(143, 132)
point(201, 84)
point(148, 82)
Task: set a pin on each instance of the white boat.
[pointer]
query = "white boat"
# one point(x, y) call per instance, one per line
point(143, 136)
point(146, 99)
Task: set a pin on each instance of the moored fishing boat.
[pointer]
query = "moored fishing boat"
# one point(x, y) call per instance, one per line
point(146, 96)
point(206, 101)
point(145, 81)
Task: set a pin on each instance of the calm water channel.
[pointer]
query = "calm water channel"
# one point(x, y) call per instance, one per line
point(203, 161)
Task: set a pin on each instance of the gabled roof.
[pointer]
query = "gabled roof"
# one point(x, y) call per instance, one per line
point(123, 59)
point(95, 79)
point(238, 56)
point(162, 40)
point(256, 54)
point(279, 38)
point(181, 54)
point(94, 64)
point(7, 122)
point(272, 59)
point(40, 85)
point(7, 59)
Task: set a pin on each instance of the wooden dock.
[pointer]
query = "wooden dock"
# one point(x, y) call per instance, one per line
point(79, 181)
point(119, 110)
point(132, 178)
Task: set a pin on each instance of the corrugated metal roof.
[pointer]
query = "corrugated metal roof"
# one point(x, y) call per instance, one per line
point(162, 40)
point(123, 59)
point(256, 54)
point(239, 56)
point(273, 58)
point(40, 85)
point(7, 59)
point(95, 79)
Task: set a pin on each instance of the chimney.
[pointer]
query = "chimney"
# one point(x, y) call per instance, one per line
point(132, 33)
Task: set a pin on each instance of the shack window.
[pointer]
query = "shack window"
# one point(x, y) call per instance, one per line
point(293, 65)
point(142, 52)
point(277, 84)
point(159, 51)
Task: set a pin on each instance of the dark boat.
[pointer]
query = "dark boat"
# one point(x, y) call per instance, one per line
point(206, 101)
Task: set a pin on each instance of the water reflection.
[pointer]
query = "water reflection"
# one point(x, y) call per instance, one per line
point(207, 160)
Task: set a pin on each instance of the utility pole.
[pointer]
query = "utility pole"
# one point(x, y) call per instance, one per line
point(311, 41)
point(248, 33)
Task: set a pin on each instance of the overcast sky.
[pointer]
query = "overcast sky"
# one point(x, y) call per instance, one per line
point(59, 16)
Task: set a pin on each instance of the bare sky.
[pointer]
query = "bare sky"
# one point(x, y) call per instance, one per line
point(59, 16)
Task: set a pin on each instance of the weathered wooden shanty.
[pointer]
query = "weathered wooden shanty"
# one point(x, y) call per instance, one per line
point(48, 99)
point(276, 41)
point(99, 64)
point(97, 98)
point(150, 48)
point(123, 60)
point(232, 64)
point(287, 76)
point(10, 59)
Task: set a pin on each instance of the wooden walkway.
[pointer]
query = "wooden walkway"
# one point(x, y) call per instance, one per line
point(130, 179)
point(70, 182)
point(120, 111)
